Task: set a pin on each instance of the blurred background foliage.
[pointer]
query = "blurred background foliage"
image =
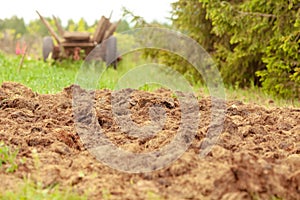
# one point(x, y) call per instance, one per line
point(254, 42)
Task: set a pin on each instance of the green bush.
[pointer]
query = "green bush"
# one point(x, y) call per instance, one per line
point(252, 41)
point(282, 75)
point(259, 42)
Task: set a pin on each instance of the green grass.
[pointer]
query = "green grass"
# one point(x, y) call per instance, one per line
point(8, 158)
point(153, 196)
point(258, 96)
point(253, 95)
point(52, 77)
point(40, 76)
point(49, 78)
point(29, 190)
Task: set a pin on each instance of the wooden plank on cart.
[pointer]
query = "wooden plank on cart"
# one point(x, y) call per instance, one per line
point(100, 31)
point(78, 44)
point(58, 26)
point(110, 31)
point(77, 36)
point(52, 32)
point(109, 24)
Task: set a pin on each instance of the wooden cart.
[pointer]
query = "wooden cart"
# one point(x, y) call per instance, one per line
point(76, 45)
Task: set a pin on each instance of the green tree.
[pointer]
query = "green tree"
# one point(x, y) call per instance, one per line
point(82, 25)
point(190, 18)
point(282, 73)
point(14, 23)
point(71, 26)
point(36, 27)
point(2, 26)
point(123, 26)
point(263, 38)
point(253, 41)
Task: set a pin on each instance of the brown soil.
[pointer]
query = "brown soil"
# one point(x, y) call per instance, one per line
point(257, 155)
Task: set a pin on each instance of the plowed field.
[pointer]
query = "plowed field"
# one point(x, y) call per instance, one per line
point(257, 154)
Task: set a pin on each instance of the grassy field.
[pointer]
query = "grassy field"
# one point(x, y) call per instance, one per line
point(52, 77)
point(49, 78)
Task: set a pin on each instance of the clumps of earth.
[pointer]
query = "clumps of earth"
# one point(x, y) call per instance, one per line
point(256, 156)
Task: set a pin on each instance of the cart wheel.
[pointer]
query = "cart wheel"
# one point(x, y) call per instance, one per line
point(111, 52)
point(47, 47)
